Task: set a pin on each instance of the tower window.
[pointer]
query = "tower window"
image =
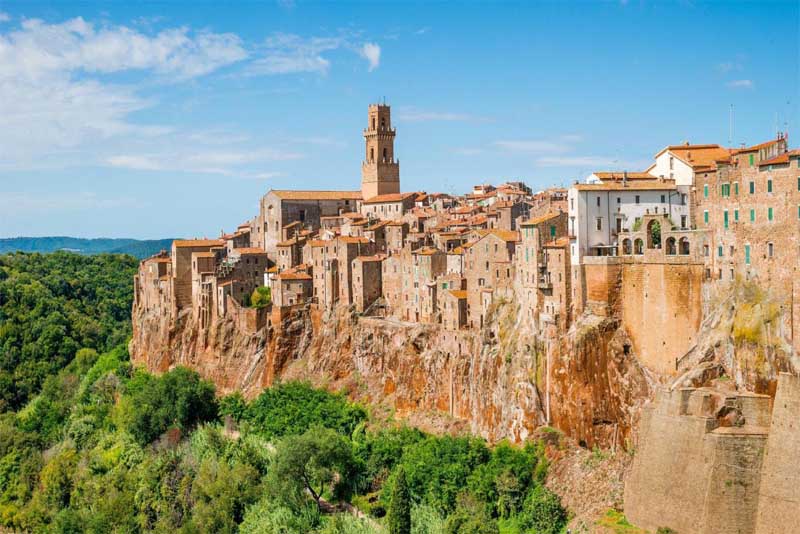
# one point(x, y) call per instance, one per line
point(371, 155)
point(385, 154)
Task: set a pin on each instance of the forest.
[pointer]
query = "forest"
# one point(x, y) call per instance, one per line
point(90, 444)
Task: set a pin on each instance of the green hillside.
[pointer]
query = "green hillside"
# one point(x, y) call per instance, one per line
point(134, 247)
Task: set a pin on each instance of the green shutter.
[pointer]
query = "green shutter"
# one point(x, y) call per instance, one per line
point(725, 218)
point(769, 214)
point(751, 160)
point(736, 188)
point(705, 190)
point(752, 188)
point(752, 215)
point(553, 232)
point(769, 186)
point(747, 254)
point(719, 251)
point(705, 216)
point(735, 215)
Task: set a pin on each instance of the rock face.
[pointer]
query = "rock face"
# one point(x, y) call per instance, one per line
point(501, 382)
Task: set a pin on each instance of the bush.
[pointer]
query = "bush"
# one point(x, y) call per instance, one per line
point(261, 297)
point(294, 407)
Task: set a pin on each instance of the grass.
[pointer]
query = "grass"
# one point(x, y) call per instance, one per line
point(615, 521)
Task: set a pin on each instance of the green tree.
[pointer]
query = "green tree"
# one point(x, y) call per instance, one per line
point(316, 462)
point(261, 297)
point(400, 505)
point(542, 512)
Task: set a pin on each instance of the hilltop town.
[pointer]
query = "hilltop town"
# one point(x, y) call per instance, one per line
point(630, 306)
point(708, 213)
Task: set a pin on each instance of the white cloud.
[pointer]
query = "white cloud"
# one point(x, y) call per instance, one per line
point(372, 53)
point(410, 114)
point(599, 162)
point(4, 17)
point(26, 203)
point(532, 146)
point(284, 53)
point(202, 160)
point(52, 101)
point(740, 84)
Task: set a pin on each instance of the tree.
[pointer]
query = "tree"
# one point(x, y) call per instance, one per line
point(318, 461)
point(542, 512)
point(261, 297)
point(400, 505)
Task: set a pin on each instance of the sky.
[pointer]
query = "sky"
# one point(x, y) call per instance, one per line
point(171, 119)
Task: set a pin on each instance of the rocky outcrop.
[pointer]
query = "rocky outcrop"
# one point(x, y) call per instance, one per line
point(501, 382)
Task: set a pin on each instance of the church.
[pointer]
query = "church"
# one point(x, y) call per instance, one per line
point(284, 214)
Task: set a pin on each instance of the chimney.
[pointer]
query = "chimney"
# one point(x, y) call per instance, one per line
point(624, 178)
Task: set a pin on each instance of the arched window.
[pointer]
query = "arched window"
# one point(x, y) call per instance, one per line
point(685, 247)
point(626, 246)
point(385, 154)
point(638, 246)
point(654, 234)
point(383, 124)
point(371, 155)
point(671, 246)
point(373, 123)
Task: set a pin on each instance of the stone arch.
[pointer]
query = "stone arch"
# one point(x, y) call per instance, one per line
point(626, 246)
point(654, 234)
point(638, 246)
point(672, 248)
point(685, 246)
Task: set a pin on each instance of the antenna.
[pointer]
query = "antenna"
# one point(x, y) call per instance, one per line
point(730, 126)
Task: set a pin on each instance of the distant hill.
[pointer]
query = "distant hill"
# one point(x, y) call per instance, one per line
point(134, 247)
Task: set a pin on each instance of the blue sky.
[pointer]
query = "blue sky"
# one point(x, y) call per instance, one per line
point(171, 119)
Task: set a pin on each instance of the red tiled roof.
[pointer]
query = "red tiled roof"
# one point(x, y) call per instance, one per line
point(288, 194)
point(391, 197)
point(180, 243)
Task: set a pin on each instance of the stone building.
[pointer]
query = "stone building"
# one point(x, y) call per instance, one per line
point(182, 250)
point(380, 171)
point(487, 267)
point(367, 283)
point(389, 206)
point(291, 288)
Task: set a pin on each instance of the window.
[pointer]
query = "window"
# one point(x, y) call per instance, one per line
point(663, 199)
point(705, 216)
point(619, 200)
point(553, 232)
point(637, 199)
point(752, 215)
point(598, 223)
point(731, 251)
point(752, 188)
point(619, 225)
point(752, 159)
point(683, 199)
point(769, 214)
point(706, 250)
point(725, 218)
point(747, 254)
point(671, 163)
point(705, 190)
point(770, 250)
point(683, 221)
point(598, 201)
point(769, 185)
point(736, 188)
point(735, 215)
point(719, 251)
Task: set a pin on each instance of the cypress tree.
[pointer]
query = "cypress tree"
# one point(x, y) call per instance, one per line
point(400, 505)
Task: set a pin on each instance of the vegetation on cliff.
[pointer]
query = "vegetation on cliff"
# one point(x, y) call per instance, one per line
point(94, 445)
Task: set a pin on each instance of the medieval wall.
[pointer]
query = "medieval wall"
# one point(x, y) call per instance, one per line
point(661, 309)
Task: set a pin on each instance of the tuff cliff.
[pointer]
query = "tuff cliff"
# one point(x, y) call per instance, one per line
point(493, 382)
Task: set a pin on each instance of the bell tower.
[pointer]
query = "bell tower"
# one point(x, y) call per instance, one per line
point(380, 171)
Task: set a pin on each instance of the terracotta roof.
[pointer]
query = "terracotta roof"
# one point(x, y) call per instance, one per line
point(204, 254)
point(780, 158)
point(273, 269)
point(290, 194)
point(620, 175)
point(317, 243)
point(292, 224)
point(558, 243)
point(376, 257)
point(538, 220)
point(698, 155)
point(506, 235)
point(361, 222)
point(291, 242)
point(391, 197)
point(397, 223)
point(638, 185)
point(250, 250)
point(459, 293)
point(352, 215)
point(198, 243)
point(352, 240)
point(426, 251)
point(758, 146)
point(378, 225)
point(294, 276)
point(457, 250)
